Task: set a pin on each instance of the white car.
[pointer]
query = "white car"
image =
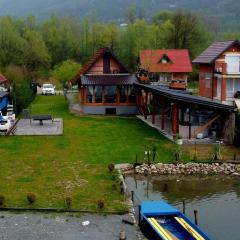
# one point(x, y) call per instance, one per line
point(4, 123)
point(3, 89)
point(48, 89)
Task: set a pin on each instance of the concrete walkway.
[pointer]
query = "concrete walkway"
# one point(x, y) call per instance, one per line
point(62, 227)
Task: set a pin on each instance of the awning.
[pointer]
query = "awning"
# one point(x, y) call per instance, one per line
point(108, 79)
point(183, 96)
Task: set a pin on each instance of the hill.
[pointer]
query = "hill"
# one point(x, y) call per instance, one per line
point(224, 12)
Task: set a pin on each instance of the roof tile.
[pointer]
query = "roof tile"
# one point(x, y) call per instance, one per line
point(214, 51)
point(179, 60)
point(108, 79)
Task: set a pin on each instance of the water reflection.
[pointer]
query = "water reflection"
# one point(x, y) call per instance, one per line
point(217, 199)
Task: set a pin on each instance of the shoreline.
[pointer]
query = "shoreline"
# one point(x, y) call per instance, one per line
point(205, 169)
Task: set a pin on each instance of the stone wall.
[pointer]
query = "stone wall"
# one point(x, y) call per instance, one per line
point(184, 169)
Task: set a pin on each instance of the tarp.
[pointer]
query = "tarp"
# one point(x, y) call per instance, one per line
point(3, 103)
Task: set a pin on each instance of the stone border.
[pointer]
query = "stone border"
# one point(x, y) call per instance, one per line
point(131, 210)
point(229, 169)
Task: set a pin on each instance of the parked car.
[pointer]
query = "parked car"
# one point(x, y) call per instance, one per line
point(48, 89)
point(4, 123)
point(3, 89)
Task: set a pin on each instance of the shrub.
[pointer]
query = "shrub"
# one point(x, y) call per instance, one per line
point(31, 197)
point(68, 202)
point(111, 167)
point(2, 200)
point(101, 204)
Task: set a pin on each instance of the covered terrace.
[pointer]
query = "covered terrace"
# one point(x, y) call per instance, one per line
point(178, 113)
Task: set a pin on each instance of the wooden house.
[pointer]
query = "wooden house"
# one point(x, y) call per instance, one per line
point(167, 67)
point(219, 74)
point(3, 80)
point(105, 85)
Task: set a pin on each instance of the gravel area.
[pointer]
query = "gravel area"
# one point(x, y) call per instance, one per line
point(62, 227)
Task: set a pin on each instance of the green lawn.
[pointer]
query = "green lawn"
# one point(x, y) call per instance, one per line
point(74, 164)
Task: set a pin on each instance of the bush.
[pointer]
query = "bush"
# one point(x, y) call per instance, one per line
point(2, 200)
point(21, 87)
point(101, 204)
point(111, 167)
point(68, 202)
point(31, 197)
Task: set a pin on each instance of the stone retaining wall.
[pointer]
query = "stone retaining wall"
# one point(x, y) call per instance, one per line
point(184, 169)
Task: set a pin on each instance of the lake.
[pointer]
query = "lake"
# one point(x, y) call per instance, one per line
point(216, 198)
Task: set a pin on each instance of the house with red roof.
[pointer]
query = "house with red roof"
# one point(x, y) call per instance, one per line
point(3, 80)
point(168, 66)
point(219, 74)
point(105, 85)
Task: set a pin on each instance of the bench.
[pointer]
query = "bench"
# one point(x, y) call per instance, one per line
point(41, 118)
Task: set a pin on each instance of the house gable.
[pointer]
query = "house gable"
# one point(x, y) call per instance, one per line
point(102, 62)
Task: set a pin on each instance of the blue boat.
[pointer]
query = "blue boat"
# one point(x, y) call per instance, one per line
point(159, 220)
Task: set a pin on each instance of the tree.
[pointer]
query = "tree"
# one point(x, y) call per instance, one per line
point(131, 14)
point(21, 92)
point(35, 53)
point(65, 71)
point(61, 39)
point(185, 32)
point(10, 43)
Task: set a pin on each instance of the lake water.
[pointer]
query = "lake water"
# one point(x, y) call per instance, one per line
point(217, 200)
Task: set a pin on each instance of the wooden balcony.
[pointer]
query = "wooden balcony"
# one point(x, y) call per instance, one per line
point(178, 84)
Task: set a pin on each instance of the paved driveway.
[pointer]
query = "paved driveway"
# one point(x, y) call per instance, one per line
point(63, 227)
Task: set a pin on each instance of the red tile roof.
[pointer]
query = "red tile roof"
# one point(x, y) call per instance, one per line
point(214, 51)
point(2, 79)
point(91, 62)
point(179, 61)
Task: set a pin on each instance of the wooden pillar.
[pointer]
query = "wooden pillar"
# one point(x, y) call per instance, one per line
point(163, 115)
point(94, 95)
point(223, 88)
point(140, 102)
point(146, 106)
point(189, 123)
point(174, 119)
point(127, 93)
point(85, 94)
point(103, 94)
point(118, 95)
point(82, 94)
point(153, 110)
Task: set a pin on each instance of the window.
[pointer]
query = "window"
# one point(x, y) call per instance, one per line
point(98, 94)
point(89, 94)
point(233, 63)
point(131, 94)
point(110, 111)
point(111, 94)
point(164, 77)
point(208, 82)
point(123, 94)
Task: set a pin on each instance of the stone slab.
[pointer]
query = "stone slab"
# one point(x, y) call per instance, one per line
point(25, 128)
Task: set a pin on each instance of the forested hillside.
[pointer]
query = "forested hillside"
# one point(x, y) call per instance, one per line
point(223, 13)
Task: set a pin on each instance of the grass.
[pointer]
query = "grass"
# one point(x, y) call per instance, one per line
point(75, 164)
point(205, 152)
